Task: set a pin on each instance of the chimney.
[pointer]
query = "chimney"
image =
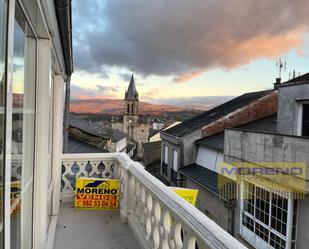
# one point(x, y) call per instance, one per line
point(277, 84)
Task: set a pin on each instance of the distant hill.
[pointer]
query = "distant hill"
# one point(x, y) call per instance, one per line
point(116, 107)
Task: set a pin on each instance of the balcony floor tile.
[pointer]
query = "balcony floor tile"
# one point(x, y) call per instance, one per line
point(80, 229)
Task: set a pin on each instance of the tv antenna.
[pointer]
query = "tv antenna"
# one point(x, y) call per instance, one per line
point(293, 75)
point(281, 66)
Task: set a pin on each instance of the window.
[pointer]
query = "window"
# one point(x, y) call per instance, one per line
point(3, 16)
point(175, 160)
point(165, 154)
point(305, 120)
point(265, 218)
point(128, 108)
point(23, 125)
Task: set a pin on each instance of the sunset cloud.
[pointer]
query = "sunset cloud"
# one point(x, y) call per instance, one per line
point(186, 77)
point(104, 92)
point(181, 38)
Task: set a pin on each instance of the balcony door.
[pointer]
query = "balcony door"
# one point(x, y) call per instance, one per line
point(23, 131)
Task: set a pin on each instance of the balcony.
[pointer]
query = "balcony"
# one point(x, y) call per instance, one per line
point(150, 214)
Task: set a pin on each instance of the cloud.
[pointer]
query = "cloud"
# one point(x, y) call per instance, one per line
point(180, 38)
point(151, 93)
point(99, 91)
point(125, 76)
point(202, 103)
point(186, 77)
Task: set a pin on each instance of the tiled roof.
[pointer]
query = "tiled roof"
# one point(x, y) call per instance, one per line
point(215, 113)
point(96, 129)
point(118, 135)
point(216, 141)
point(75, 146)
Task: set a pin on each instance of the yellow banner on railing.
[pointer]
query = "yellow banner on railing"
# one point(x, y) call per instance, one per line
point(190, 195)
point(95, 193)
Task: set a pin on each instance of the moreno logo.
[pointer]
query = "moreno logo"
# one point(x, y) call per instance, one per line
point(96, 183)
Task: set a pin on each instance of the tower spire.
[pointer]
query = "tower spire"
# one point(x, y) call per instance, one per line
point(132, 93)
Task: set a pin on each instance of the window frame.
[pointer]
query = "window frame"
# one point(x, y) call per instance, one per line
point(299, 127)
point(165, 154)
point(251, 236)
point(175, 160)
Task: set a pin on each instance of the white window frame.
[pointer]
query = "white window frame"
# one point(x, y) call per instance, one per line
point(300, 117)
point(252, 237)
point(175, 160)
point(166, 154)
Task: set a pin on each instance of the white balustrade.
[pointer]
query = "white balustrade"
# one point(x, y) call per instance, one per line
point(158, 217)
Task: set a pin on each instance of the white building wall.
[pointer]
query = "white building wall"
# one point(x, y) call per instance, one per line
point(214, 160)
point(121, 145)
point(209, 158)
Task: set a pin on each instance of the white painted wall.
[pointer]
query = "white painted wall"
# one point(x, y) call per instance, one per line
point(213, 160)
point(121, 145)
point(209, 158)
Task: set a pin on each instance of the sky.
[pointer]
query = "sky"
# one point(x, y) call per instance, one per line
point(184, 51)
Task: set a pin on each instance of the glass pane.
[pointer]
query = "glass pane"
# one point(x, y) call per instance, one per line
point(23, 121)
point(305, 126)
point(3, 16)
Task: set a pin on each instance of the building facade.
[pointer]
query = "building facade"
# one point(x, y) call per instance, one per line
point(205, 175)
point(272, 209)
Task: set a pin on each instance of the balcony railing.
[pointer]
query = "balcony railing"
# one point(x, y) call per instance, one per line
point(156, 215)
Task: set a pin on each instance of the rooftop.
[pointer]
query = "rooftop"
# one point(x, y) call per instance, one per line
point(216, 142)
point(76, 146)
point(300, 79)
point(215, 113)
point(204, 177)
point(96, 129)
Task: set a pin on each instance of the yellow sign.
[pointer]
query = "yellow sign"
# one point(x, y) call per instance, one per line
point(189, 195)
point(15, 198)
point(282, 178)
point(94, 193)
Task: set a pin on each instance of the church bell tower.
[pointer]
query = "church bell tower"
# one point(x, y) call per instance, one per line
point(130, 116)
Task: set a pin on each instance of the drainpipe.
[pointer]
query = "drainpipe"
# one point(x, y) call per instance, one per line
point(64, 18)
point(66, 114)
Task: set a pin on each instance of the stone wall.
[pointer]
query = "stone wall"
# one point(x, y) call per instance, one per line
point(290, 98)
point(257, 147)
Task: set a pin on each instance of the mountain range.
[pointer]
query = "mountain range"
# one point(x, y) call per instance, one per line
point(116, 107)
